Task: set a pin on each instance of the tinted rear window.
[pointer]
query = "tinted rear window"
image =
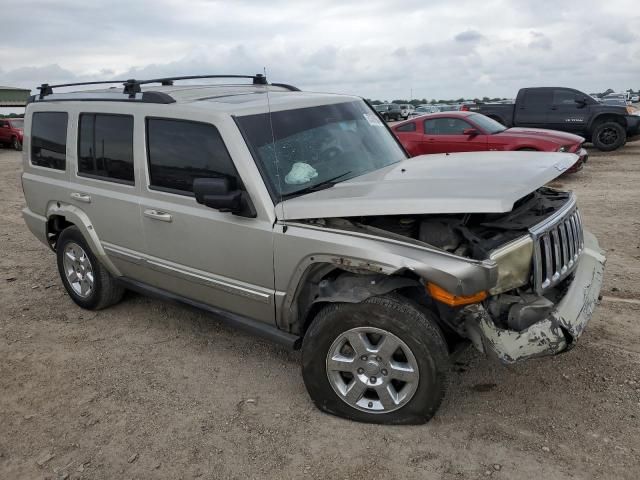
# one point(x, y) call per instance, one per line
point(408, 127)
point(49, 139)
point(105, 147)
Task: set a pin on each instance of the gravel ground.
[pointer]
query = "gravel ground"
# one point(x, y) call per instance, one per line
point(147, 389)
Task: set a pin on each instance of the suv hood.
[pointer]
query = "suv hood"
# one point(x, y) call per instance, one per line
point(473, 182)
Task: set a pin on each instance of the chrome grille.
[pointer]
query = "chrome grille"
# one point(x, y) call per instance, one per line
point(558, 243)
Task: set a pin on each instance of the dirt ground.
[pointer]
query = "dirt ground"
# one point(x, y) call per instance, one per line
point(147, 389)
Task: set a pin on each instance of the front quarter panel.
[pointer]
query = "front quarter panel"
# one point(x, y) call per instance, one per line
point(302, 246)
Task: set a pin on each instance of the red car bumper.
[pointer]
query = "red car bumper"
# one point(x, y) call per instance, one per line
point(583, 156)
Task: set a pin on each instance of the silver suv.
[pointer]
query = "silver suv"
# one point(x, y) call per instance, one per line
point(299, 217)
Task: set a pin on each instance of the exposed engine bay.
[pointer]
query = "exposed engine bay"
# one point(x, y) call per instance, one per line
point(466, 235)
point(512, 305)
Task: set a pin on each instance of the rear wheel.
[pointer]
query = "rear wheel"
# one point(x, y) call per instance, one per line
point(380, 361)
point(16, 144)
point(87, 282)
point(608, 136)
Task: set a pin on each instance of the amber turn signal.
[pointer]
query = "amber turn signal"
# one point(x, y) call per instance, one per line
point(441, 295)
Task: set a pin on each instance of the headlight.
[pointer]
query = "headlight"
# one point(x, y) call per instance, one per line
point(564, 148)
point(633, 110)
point(514, 264)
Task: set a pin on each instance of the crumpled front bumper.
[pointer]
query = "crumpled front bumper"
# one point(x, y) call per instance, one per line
point(559, 331)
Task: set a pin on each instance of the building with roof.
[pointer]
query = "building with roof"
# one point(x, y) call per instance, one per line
point(13, 97)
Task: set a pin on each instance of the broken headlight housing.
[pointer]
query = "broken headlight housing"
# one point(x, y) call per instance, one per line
point(514, 264)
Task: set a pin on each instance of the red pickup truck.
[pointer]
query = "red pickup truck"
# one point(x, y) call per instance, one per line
point(11, 132)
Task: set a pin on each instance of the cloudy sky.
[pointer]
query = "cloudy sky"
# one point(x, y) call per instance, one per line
point(381, 49)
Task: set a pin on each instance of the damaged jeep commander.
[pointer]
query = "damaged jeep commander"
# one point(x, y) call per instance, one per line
point(299, 217)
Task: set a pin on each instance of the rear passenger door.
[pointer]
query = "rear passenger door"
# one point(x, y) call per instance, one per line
point(533, 108)
point(105, 185)
point(196, 251)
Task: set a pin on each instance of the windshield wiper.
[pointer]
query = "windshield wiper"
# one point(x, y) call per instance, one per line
point(318, 186)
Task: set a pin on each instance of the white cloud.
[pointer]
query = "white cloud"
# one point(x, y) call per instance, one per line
point(377, 49)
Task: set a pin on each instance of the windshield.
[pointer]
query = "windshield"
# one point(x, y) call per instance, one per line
point(487, 124)
point(17, 123)
point(318, 145)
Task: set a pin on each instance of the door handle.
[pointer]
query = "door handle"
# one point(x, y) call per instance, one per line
point(158, 215)
point(81, 197)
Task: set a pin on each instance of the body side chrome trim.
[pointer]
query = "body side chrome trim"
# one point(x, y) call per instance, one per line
point(192, 275)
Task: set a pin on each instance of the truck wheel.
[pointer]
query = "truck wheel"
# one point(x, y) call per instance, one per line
point(16, 144)
point(381, 361)
point(87, 282)
point(608, 136)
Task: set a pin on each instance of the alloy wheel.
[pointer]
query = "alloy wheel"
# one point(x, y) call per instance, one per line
point(372, 370)
point(78, 269)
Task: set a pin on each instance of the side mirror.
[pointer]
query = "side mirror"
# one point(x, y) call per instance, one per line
point(217, 193)
point(581, 102)
point(472, 132)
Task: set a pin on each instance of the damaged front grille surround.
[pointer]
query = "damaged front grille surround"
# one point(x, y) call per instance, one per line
point(557, 245)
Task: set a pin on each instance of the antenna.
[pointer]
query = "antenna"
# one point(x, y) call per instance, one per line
point(275, 155)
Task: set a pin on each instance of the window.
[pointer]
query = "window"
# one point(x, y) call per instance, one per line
point(445, 126)
point(564, 97)
point(407, 127)
point(180, 151)
point(49, 139)
point(536, 99)
point(489, 125)
point(105, 147)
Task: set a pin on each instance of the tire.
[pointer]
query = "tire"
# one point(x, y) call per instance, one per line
point(385, 118)
point(16, 144)
point(608, 136)
point(388, 317)
point(100, 292)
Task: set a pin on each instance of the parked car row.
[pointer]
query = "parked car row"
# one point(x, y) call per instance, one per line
point(450, 132)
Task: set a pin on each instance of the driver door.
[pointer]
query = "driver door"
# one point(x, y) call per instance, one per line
point(196, 251)
point(565, 113)
point(446, 135)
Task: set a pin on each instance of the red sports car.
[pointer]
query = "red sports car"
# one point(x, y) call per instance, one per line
point(449, 132)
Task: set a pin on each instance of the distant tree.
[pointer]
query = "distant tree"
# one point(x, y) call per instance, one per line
point(460, 100)
point(486, 99)
point(607, 92)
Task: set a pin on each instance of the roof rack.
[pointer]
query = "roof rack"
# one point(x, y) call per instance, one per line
point(132, 86)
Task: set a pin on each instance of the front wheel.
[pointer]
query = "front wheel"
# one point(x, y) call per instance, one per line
point(608, 136)
point(381, 361)
point(16, 144)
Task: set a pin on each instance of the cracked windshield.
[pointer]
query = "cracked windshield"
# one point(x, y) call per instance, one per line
point(314, 148)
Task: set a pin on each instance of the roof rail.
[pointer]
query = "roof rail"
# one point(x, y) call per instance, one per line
point(132, 86)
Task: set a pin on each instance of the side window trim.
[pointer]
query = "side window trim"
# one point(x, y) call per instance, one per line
point(104, 178)
point(174, 191)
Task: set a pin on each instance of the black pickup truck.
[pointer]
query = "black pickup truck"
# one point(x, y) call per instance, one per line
point(607, 127)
